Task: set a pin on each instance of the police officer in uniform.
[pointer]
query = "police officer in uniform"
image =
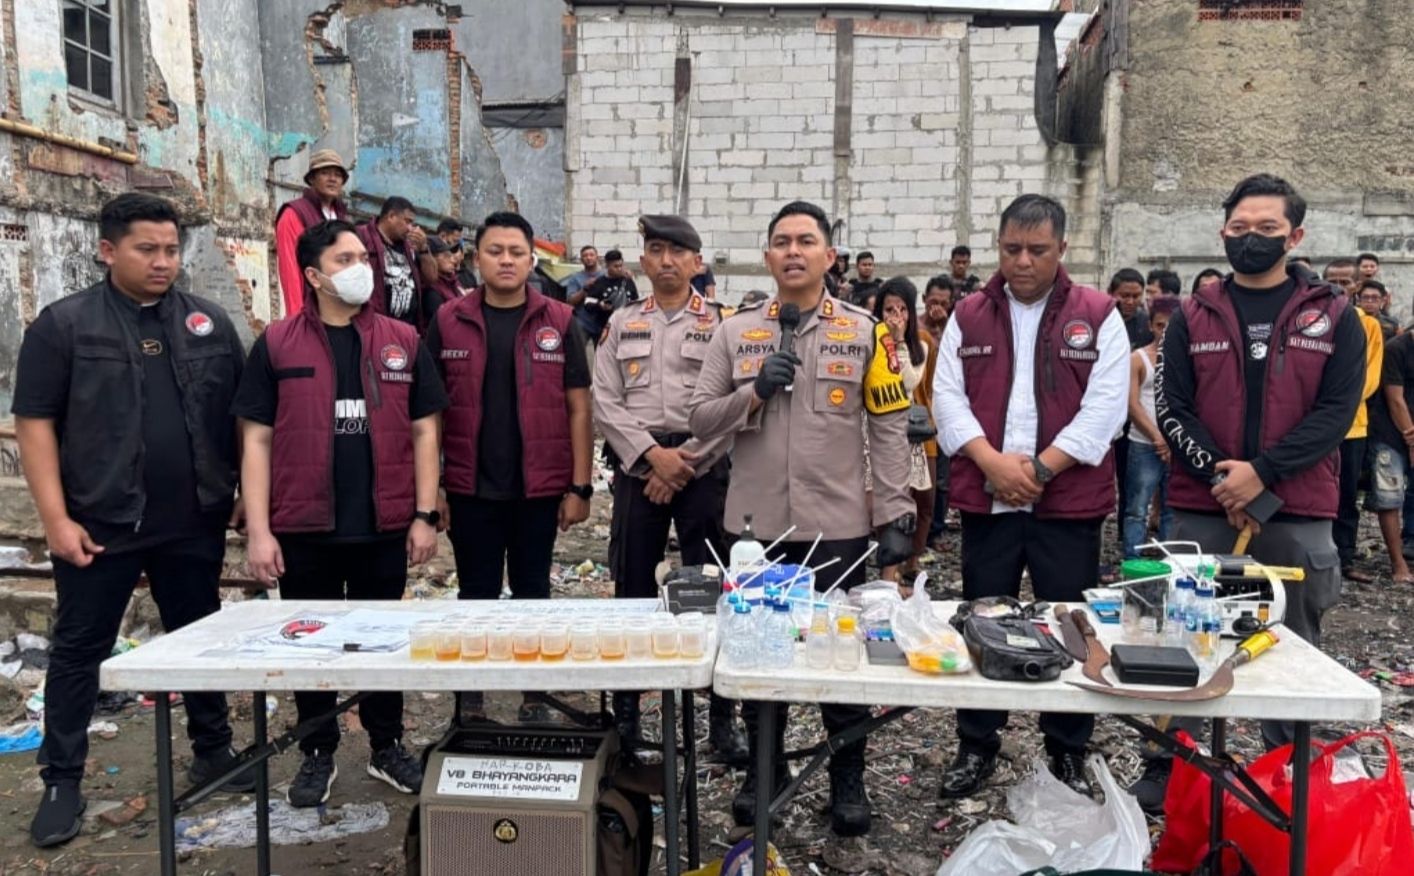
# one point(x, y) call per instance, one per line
point(647, 367)
point(796, 403)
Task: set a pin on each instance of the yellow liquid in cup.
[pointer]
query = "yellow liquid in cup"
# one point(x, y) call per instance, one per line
point(422, 653)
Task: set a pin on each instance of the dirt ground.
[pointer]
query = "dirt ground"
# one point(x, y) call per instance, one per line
point(1369, 632)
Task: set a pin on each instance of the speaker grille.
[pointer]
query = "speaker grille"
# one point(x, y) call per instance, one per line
point(462, 841)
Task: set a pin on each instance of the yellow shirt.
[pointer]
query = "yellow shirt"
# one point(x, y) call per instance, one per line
point(1374, 360)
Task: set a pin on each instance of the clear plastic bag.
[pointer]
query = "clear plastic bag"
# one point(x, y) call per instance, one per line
point(930, 643)
point(1057, 827)
point(875, 601)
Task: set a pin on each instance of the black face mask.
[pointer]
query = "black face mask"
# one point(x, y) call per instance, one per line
point(1254, 253)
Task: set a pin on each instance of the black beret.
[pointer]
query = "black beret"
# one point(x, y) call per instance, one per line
point(673, 229)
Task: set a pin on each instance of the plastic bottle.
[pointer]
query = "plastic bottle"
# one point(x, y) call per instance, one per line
point(846, 644)
point(820, 644)
point(1176, 613)
point(1207, 634)
point(740, 641)
point(724, 607)
point(777, 636)
point(747, 555)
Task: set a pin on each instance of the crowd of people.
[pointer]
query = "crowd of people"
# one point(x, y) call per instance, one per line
point(423, 382)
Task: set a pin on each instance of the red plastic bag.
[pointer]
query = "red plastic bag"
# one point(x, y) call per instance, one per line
point(1355, 828)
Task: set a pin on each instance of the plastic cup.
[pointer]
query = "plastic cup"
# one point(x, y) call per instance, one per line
point(449, 642)
point(638, 642)
point(554, 641)
point(525, 641)
point(611, 640)
point(692, 634)
point(584, 642)
point(422, 641)
point(665, 636)
point(498, 643)
point(474, 641)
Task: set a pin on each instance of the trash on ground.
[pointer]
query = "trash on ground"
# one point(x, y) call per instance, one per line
point(105, 729)
point(234, 826)
point(24, 736)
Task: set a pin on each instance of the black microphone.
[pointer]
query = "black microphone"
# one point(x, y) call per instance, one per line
point(790, 319)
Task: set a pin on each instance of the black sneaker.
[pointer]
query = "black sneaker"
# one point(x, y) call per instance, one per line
point(744, 803)
point(1153, 785)
point(1069, 767)
point(849, 805)
point(312, 783)
point(59, 817)
point(204, 767)
point(966, 774)
point(393, 764)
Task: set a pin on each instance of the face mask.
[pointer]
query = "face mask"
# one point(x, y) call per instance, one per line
point(354, 284)
point(1254, 253)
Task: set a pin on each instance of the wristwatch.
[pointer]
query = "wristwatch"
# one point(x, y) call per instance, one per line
point(1043, 474)
point(431, 518)
point(584, 491)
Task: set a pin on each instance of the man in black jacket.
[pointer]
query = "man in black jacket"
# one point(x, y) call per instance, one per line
point(122, 414)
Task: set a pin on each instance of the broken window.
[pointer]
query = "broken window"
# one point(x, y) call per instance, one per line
point(91, 48)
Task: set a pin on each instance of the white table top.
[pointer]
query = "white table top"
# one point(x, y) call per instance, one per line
point(1291, 682)
point(178, 661)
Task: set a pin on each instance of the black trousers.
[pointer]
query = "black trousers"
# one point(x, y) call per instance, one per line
point(638, 531)
point(353, 571)
point(1063, 557)
point(1347, 520)
point(835, 716)
point(491, 537)
point(184, 576)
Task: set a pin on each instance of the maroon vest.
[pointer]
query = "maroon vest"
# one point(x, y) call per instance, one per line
point(547, 458)
point(1300, 346)
point(378, 260)
point(1065, 353)
point(447, 288)
point(302, 463)
point(310, 209)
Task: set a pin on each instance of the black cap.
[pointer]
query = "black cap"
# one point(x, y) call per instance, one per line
point(673, 229)
point(437, 245)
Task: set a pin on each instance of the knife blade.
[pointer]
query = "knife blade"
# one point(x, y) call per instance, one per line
point(1070, 635)
point(1214, 687)
point(1096, 657)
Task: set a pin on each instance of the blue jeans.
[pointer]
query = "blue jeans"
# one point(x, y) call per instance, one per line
point(1147, 475)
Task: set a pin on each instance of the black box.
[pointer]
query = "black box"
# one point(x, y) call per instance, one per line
point(1147, 664)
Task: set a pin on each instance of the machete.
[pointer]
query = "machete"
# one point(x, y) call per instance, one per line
point(1070, 635)
point(1096, 657)
point(1217, 686)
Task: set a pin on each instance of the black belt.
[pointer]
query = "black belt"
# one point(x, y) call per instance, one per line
point(671, 439)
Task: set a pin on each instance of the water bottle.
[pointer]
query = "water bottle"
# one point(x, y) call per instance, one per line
point(1207, 636)
point(747, 554)
point(740, 642)
point(847, 644)
point(777, 636)
point(820, 645)
point(1175, 613)
point(724, 607)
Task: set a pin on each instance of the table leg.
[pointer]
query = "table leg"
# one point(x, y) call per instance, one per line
point(1215, 796)
point(262, 787)
point(765, 783)
point(689, 786)
point(166, 814)
point(1300, 791)
point(670, 781)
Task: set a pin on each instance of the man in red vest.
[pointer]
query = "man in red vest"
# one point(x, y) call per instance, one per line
point(518, 435)
point(1031, 386)
point(1258, 381)
point(339, 415)
point(399, 255)
point(322, 200)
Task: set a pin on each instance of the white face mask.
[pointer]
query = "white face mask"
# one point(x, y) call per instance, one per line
point(354, 284)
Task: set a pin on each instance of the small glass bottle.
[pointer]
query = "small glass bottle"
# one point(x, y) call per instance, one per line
point(819, 645)
point(846, 644)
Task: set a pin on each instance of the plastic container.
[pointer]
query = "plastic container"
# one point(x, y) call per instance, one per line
point(473, 641)
point(820, 644)
point(498, 642)
point(846, 644)
point(554, 641)
point(747, 554)
point(665, 637)
point(449, 642)
point(692, 634)
point(1176, 613)
point(422, 641)
point(611, 640)
point(777, 637)
point(740, 642)
point(584, 642)
point(638, 642)
point(525, 641)
point(1207, 627)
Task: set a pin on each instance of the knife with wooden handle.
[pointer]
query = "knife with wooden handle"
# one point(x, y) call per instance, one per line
point(1071, 636)
point(1096, 657)
point(1217, 686)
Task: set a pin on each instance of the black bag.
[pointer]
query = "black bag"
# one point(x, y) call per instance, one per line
point(920, 425)
point(1004, 642)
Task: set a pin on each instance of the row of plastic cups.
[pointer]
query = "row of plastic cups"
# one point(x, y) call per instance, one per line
point(663, 636)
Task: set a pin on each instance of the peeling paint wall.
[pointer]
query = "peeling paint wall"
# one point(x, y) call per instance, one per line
point(533, 160)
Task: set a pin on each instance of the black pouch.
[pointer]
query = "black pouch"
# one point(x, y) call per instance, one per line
point(1006, 645)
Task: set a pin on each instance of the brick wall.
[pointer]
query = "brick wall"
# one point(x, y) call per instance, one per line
point(941, 136)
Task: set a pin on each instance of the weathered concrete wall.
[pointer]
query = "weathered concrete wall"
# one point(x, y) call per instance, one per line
point(533, 162)
point(514, 45)
point(940, 134)
point(1322, 101)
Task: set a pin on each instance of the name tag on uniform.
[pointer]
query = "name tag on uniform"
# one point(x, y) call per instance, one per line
point(455, 354)
point(1078, 355)
point(974, 350)
point(395, 376)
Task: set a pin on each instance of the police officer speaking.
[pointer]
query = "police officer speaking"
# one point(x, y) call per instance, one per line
point(646, 368)
point(796, 402)
point(122, 413)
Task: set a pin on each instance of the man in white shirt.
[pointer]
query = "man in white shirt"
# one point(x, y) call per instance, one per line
point(1031, 386)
